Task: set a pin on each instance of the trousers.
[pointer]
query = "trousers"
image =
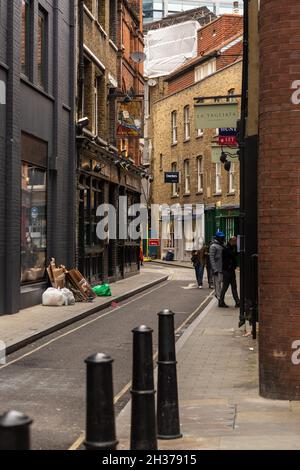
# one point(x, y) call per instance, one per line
point(217, 278)
point(229, 279)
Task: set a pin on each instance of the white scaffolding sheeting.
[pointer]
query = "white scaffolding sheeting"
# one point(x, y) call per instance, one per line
point(168, 48)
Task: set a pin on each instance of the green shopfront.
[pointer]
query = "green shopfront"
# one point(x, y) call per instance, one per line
point(223, 218)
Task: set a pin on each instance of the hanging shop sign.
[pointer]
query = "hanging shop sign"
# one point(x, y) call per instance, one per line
point(216, 151)
point(211, 116)
point(130, 119)
point(227, 136)
point(172, 177)
point(154, 242)
point(227, 131)
point(227, 140)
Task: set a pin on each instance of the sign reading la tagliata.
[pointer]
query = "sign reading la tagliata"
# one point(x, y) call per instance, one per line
point(210, 116)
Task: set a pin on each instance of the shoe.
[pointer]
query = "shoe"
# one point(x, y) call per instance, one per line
point(237, 305)
point(200, 287)
point(223, 305)
point(241, 323)
point(211, 287)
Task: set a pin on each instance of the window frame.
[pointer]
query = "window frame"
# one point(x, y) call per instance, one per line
point(205, 70)
point(200, 174)
point(174, 127)
point(187, 176)
point(187, 123)
point(200, 132)
point(42, 75)
point(218, 178)
point(27, 25)
point(95, 106)
point(231, 179)
point(174, 186)
point(112, 16)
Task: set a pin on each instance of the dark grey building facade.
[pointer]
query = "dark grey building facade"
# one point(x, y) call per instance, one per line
point(37, 146)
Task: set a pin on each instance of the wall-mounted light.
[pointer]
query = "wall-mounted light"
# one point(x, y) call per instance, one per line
point(82, 123)
point(227, 165)
point(97, 168)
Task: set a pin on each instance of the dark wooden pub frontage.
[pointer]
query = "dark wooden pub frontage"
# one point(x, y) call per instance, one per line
point(102, 179)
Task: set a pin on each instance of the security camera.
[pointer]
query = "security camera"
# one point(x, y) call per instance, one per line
point(82, 122)
point(227, 165)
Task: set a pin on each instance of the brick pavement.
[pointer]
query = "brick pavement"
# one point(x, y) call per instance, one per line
point(220, 406)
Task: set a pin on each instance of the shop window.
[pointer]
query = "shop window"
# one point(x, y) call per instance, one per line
point(33, 223)
point(26, 37)
point(42, 36)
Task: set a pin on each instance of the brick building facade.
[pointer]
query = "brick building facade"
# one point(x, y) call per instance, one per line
point(201, 180)
point(37, 145)
point(278, 200)
point(130, 67)
point(105, 172)
point(216, 70)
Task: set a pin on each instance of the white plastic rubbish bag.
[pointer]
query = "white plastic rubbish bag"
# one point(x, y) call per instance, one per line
point(69, 296)
point(53, 297)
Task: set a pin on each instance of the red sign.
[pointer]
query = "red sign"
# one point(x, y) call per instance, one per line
point(227, 140)
point(154, 242)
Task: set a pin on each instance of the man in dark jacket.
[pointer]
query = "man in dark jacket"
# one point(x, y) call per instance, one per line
point(229, 279)
point(216, 261)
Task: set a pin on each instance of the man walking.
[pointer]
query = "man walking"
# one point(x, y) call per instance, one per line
point(216, 261)
point(229, 278)
point(196, 260)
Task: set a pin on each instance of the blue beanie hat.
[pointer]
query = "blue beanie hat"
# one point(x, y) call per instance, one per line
point(220, 234)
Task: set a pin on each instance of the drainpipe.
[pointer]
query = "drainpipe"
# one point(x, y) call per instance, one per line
point(81, 57)
point(244, 108)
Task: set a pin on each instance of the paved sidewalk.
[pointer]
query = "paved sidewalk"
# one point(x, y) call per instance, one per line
point(35, 322)
point(220, 407)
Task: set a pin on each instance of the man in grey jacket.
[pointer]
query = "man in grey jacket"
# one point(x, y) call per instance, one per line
point(215, 257)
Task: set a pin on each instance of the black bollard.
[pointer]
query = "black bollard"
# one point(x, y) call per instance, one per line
point(143, 422)
point(15, 431)
point(100, 416)
point(168, 423)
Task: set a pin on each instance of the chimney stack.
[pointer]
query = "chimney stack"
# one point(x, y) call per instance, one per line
point(236, 8)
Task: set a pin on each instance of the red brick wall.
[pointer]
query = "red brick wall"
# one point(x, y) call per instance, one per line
point(230, 55)
point(279, 199)
point(211, 36)
point(130, 38)
point(181, 82)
